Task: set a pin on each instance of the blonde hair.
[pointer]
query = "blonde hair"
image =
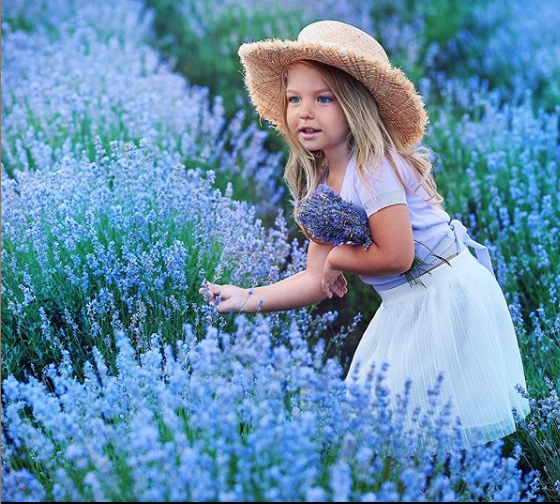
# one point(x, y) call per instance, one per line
point(370, 138)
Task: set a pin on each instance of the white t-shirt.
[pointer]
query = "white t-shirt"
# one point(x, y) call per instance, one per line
point(430, 224)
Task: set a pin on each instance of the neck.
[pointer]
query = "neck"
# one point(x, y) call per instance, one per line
point(337, 163)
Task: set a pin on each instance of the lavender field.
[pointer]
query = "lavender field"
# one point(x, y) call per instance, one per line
point(134, 167)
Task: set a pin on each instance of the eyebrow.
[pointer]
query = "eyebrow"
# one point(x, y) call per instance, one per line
point(320, 91)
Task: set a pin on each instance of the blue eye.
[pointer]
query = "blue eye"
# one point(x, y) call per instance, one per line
point(292, 97)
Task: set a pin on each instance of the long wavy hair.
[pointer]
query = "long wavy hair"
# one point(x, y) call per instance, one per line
point(370, 138)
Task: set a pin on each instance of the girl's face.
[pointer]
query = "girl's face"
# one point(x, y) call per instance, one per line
point(312, 104)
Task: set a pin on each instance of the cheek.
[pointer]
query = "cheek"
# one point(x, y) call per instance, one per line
point(342, 123)
point(290, 116)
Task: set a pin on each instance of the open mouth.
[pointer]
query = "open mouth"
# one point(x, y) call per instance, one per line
point(309, 132)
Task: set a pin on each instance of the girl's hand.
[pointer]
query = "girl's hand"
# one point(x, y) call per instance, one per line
point(333, 281)
point(232, 298)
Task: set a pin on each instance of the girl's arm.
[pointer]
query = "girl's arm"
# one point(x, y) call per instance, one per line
point(355, 259)
point(297, 291)
point(391, 253)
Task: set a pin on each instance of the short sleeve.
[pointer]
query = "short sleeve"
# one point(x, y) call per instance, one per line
point(387, 189)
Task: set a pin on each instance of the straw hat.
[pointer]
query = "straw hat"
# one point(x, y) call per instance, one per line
point(345, 47)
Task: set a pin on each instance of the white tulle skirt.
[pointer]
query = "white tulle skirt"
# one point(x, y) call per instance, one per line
point(457, 323)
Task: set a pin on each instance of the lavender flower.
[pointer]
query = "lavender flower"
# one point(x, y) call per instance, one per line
point(328, 218)
point(233, 416)
point(145, 98)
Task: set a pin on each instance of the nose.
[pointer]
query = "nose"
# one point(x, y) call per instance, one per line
point(305, 111)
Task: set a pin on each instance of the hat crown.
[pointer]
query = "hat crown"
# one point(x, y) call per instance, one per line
point(345, 36)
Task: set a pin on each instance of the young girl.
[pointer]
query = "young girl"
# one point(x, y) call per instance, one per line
point(354, 122)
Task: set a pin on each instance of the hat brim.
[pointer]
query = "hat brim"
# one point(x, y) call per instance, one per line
point(400, 105)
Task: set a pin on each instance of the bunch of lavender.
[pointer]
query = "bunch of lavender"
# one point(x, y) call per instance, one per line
point(326, 217)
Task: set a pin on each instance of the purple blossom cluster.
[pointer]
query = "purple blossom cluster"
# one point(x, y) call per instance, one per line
point(326, 217)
